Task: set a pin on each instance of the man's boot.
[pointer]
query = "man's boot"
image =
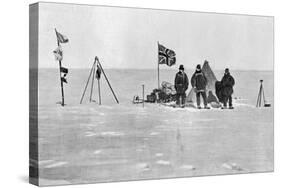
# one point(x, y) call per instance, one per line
point(224, 107)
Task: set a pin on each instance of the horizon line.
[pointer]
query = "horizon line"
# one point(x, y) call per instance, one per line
point(155, 69)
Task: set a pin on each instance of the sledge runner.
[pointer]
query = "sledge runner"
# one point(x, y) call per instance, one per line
point(181, 85)
point(227, 83)
point(199, 83)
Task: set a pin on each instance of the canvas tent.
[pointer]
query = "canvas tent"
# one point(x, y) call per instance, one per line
point(211, 80)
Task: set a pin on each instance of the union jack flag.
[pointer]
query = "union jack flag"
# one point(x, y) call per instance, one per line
point(166, 56)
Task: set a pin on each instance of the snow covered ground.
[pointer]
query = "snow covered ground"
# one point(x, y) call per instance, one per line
point(116, 142)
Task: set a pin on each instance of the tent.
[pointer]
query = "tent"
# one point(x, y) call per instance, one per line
point(211, 81)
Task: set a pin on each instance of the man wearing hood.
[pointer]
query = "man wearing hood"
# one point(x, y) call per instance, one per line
point(181, 85)
point(199, 83)
point(227, 82)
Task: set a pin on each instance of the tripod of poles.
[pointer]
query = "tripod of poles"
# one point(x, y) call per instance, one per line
point(96, 72)
point(261, 97)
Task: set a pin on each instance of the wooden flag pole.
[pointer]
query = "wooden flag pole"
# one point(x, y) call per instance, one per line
point(61, 83)
point(87, 82)
point(107, 80)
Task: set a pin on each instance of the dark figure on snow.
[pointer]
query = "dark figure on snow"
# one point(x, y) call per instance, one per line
point(199, 83)
point(227, 83)
point(181, 85)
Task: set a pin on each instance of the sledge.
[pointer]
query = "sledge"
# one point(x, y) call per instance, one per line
point(138, 102)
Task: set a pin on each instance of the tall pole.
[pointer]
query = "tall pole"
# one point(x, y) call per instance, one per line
point(258, 99)
point(107, 80)
point(92, 85)
point(158, 65)
point(260, 95)
point(264, 102)
point(99, 91)
point(61, 83)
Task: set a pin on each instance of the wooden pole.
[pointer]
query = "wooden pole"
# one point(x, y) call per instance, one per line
point(107, 80)
point(93, 79)
point(99, 91)
point(261, 91)
point(264, 102)
point(258, 99)
point(61, 85)
point(61, 82)
point(87, 82)
point(259, 95)
point(143, 95)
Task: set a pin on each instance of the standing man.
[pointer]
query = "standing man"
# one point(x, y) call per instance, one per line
point(227, 82)
point(181, 85)
point(199, 83)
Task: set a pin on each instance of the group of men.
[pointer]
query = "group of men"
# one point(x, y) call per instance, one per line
point(199, 84)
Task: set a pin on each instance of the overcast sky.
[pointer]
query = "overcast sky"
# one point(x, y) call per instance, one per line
point(127, 38)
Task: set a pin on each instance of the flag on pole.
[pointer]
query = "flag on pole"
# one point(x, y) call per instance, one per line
point(63, 79)
point(58, 54)
point(61, 38)
point(166, 56)
point(64, 71)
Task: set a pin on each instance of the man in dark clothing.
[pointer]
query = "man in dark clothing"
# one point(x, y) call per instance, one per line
point(227, 82)
point(181, 85)
point(199, 83)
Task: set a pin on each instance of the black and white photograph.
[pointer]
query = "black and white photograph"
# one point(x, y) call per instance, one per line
point(122, 94)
